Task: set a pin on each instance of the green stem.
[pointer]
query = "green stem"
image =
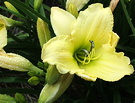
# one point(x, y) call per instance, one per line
point(127, 16)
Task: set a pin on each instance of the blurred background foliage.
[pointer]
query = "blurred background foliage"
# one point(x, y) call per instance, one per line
point(23, 40)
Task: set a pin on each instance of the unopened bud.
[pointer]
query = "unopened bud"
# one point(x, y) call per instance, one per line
point(7, 99)
point(37, 4)
point(43, 31)
point(73, 10)
point(51, 92)
point(33, 80)
point(78, 3)
point(20, 98)
point(52, 74)
point(35, 73)
point(16, 62)
point(46, 65)
point(11, 7)
point(32, 73)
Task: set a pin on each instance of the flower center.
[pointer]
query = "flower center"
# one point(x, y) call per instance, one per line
point(85, 56)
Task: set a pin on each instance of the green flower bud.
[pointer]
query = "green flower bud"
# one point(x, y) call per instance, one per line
point(73, 10)
point(35, 72)
point(43, 32)
point(46, 65)
point(11, 7)
point(20, 98)
point(51, 92)
point(7, 99)
point(37, 4)
point(33, 80)
point(32, 73)
point(7, 22)
point(52, 74)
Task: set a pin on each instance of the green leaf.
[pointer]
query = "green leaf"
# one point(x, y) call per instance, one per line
point(22, 91)
point(127, 16)
point(28, 10)
point(13, 80)
point(18, 15)
point(116, 97)
point(47, 7)
point(80, 101)
point(129, 49)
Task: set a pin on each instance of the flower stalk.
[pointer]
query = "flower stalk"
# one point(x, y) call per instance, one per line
point(52, 74)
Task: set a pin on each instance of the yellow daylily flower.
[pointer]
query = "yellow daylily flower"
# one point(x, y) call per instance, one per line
point(13, 61)
point(88, 49)
point(5, 23)
point(78, 3)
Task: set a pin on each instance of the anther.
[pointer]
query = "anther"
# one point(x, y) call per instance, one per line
point(86, 52)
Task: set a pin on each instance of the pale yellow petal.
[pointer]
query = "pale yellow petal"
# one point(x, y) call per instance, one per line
point(61, 21)
point(110, 66)
point(78, 3)
point(93, 24)
point(86, 77)
point(59, 51)
point(3, 36)
point(114, 39)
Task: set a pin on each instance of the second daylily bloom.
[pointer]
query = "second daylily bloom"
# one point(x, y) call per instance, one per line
point(86, 46)
point(13, 61)
point(5, 23)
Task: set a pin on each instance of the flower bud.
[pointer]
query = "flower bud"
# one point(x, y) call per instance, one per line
point(78, 3)
point(73, 10)
point(20, 98)
point(43, 31)
point(51, 92)
point(7, 99)
point(11, 7)
point(52, 74)
point(37, 4)
point(33, 80)
point(7, 22)
point(18, 63)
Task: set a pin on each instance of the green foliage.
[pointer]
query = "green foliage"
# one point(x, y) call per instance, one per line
point(23, 40)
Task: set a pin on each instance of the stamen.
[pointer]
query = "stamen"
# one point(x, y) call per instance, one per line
point(78, 59)
point(86, 60)
point(86, 56)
